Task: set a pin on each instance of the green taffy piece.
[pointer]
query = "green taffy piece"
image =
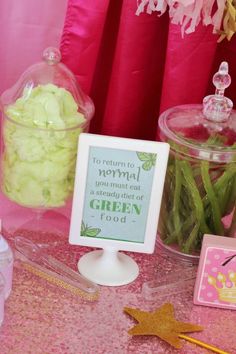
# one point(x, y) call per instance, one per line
point(39, 156)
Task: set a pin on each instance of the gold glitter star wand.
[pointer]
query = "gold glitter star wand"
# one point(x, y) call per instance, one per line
point(163, 324)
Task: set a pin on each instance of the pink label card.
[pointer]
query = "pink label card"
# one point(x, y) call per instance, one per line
point(216, 279)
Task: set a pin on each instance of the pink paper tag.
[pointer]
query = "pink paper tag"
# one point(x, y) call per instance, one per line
point(216, 279)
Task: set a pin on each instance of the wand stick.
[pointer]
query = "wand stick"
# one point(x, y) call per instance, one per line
point(202, 344)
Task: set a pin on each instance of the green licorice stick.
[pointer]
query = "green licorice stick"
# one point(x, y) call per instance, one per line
point(176, 201)
point(191, 239)
point(225, 190)
point(190, 219)
point(216, 213)
point(224, 197)
point(218, 187)
point(220, 183)
point(232, 196)
point(167, 207)
point(224, 178)
point(193, 190)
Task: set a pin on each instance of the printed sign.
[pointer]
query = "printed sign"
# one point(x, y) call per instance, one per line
point(118, 191)
point(216, 279)
point(117, 195)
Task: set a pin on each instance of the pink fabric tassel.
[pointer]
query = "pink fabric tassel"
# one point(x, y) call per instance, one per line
point(151, 6)
point(141, 7)
point(187, 13)
point(207, 11)
point(161, 6)
point(195, 17)
point(217, 18)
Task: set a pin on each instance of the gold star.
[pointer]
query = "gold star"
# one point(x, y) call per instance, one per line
point(161, 323)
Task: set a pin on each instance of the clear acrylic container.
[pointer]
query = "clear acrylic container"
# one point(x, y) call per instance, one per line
point(6, 265)
point(2, 298)
point(200, 187)
point(43, 115)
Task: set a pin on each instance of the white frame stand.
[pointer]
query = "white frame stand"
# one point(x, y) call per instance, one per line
point(108, 267)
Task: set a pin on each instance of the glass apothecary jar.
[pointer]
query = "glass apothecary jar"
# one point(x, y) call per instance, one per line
point(42, 117)
point(200, 187)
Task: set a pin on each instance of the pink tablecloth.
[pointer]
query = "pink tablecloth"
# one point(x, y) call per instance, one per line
point(41, 318)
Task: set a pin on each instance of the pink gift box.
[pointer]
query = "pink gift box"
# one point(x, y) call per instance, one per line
point(216, 278)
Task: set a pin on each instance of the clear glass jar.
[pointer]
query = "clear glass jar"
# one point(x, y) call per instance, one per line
point(43, 115)
point(200, 188)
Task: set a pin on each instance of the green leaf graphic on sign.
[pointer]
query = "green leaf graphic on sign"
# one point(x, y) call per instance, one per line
point(89, 231)
point(149, 160)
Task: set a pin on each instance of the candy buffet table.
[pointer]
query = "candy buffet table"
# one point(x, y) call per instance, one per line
point(41, 318)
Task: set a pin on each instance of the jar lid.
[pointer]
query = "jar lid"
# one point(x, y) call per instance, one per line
point(205, 131)
point(47, 95)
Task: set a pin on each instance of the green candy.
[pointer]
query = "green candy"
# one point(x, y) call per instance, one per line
point(40, 152)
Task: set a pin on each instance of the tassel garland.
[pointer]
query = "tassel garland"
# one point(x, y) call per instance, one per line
point(221, 14)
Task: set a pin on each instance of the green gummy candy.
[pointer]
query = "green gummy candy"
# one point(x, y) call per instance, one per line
point(38, 164)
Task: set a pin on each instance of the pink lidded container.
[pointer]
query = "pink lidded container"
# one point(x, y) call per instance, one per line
point(200, 187)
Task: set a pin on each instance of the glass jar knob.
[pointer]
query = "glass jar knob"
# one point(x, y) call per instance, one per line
point(221, 79)
point(217, 107)
point(51, 56)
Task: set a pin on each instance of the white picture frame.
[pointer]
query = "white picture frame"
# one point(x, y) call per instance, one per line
point(115, 164)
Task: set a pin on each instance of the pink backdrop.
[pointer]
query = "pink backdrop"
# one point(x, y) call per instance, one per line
point(133, 67)
point(27, 28)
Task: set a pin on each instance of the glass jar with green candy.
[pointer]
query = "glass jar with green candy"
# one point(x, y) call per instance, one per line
point(200, 189)
point(43, 115)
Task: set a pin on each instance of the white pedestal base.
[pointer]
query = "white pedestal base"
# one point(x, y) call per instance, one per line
point(108, 267)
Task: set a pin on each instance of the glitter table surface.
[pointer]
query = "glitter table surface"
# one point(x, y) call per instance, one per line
point(42, 318)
